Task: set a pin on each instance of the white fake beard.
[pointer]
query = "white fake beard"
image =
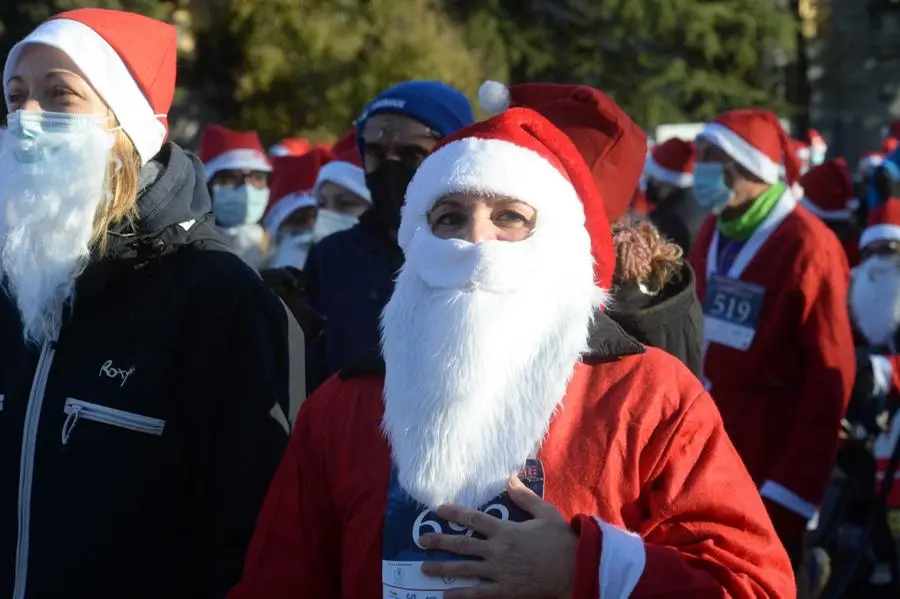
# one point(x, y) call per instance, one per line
point(480, 342)
point(875, 299)
point(47, 211)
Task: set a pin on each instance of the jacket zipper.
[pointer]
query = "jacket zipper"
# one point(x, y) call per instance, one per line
point(26, 463)
point(77, 410)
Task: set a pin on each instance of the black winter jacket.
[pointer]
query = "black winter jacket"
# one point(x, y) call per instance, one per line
point(135, 451)
point(671, 321)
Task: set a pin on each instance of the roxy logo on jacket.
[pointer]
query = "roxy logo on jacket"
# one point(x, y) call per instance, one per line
point(120, 374)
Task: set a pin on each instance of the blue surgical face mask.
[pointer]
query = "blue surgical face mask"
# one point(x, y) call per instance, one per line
point(817, 156)
point(710, 190)
point(37, 133)
point(242, 205)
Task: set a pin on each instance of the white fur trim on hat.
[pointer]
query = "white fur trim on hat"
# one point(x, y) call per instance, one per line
point(251, 160)
point(107, 74)
point(345, 174)
point(491, 166)
point(743, 152)
point(279, 150)
point(879, 233)
point(826, 214)
point(493, 97)
point(285, 207)
point(665, 175)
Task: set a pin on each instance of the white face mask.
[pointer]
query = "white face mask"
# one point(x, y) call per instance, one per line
point(292, 251)
point(330, 221)
point(54, 173)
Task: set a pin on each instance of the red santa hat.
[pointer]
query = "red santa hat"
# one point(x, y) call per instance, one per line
point(883, 225)
point(346, 149)
point(518, 154)
point(816, 139)
point(127, 58)
point(757, 141)
point(672, 162)
point(293, 178)
point(346, 168)
point(609, 141)
point(291, 146)
point(828, 190)
point(223, 149)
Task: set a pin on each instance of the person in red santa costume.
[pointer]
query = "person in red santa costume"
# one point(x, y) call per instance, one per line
point(779, 358)
point(875, 303)
point(498, 359)
point(668, 177)
point(238, 174)
point(828, 193)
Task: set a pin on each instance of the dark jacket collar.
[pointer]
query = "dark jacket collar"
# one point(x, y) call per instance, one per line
point(174, 211)
point(607, 343)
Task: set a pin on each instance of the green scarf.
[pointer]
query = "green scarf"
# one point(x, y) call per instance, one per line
point(743, 226)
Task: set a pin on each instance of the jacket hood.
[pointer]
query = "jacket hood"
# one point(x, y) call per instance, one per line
point(174, 212)
point(641, 315)
point(174, 208)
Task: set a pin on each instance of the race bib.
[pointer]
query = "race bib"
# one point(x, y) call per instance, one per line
point(406, 520)
point(731, 311)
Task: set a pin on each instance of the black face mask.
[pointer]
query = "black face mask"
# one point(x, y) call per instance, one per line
point(388, 184)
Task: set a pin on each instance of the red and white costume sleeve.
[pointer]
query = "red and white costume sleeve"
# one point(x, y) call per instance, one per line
point(637, 459)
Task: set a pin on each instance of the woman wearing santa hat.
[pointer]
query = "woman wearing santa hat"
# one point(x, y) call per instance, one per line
point(498, 359)
point(773, 279)
point(145, 372)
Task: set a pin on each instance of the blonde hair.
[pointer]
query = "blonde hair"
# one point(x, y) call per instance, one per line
point(120, 202)
point(644, 256)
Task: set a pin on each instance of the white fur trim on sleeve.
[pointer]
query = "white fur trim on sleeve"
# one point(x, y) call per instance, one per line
point(788, 499)
point(826, 214)
point(250, 160)
point(107, 74)
point(490, 166)
point(883, 373)
point(664, 175)
point(743, 152)
point(622, 561)
point(879, 233)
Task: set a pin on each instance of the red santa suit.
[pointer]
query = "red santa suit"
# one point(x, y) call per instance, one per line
point(629, 447)
point(779, 358)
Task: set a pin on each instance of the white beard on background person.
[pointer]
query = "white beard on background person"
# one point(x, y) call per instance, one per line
point(50, 189)
point(480, 342)
point(875, 299)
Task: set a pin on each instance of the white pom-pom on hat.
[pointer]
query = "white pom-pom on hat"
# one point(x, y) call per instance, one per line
point(493, 97)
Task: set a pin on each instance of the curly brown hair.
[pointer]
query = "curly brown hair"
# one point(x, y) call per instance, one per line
point(643, 255)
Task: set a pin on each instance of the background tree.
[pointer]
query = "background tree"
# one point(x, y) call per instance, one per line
point(662, 61)
point(307, 67)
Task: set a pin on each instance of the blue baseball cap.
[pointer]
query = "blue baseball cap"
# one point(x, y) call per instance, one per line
point(436, 105)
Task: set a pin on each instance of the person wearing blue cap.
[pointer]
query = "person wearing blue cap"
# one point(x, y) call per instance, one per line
point(350, 275)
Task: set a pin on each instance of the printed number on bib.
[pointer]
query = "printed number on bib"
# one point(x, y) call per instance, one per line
point(731, 311)
point(406, 521)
